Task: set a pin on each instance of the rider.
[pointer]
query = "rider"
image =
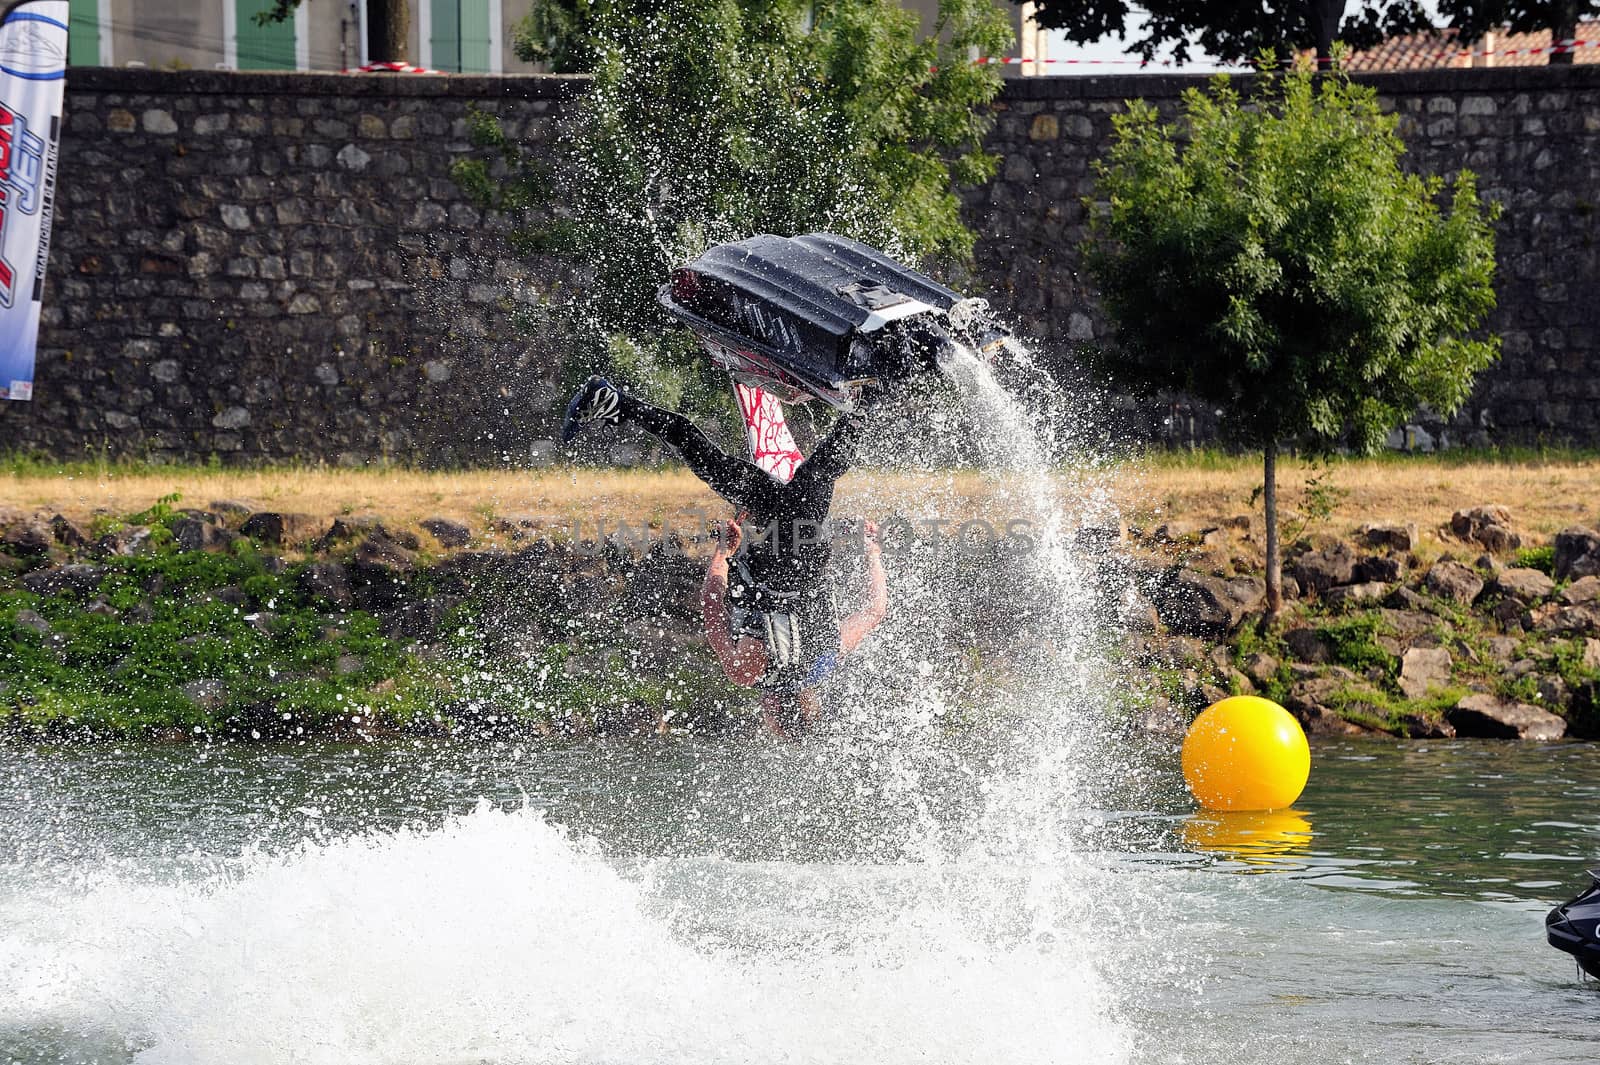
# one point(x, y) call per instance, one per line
point(782, 632)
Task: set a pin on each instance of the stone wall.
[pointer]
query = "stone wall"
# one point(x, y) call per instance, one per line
point(269, 266)
point(1531, 134)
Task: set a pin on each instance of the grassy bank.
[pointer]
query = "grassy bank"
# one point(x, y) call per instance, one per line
point(1547, 491)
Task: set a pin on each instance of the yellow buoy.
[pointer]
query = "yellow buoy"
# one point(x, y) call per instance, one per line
point(1246, 753)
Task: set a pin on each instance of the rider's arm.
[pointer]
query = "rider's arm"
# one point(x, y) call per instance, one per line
point(741, 666)
point(854, 628)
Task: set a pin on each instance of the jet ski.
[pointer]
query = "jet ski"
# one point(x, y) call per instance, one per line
point(1575, 927)
point(821, 316)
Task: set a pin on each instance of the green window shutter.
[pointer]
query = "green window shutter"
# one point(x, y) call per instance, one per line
point(83, 33)
point(269, 47)
point(446, 34)
point(475, 36)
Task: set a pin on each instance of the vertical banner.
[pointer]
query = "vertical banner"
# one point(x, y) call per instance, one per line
point(33, 71)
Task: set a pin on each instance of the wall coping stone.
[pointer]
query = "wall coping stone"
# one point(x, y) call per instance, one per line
point(294, 83)
point(1443, 80)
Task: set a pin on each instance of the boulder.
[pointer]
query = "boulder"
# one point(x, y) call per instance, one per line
point(1261, 668)
point(449, 533)
point(1392, 537)
point(1577, 553)
point(1418, 727)
point(1324, 569)
point(1405, 599)
point(282, 529)
point(1307, 645)
point(1489, 526)
point(1567, 620)
point(1503, 649)
point(422, 619)
point(1452, 580)
point(1591, 653)
point(327, 581)
point(1424, 669)
point(66, 533)
point(1407, 624)
point(32, 621)
point(1385, 568)
point(381, 551)
point(1197, 604)
point(1526, 585)
point(1582, 591)
point(28, 539)
point(195, 534)
point(1491, 717)
point(1357, 594)
point(231, 509)
point(1307, 702)
point(125, 542)
point(77, 579)
point(205, 693)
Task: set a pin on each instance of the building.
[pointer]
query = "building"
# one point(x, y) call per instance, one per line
point(1430, 51)
point(465, 36)
point(1033, 42)
point(469, 36)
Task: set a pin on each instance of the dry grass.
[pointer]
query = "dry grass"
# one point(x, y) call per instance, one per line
point(1544, 497)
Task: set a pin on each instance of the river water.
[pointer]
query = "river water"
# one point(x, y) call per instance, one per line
point(675, 900)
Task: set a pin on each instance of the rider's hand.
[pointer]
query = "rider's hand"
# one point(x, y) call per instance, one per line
point(871, 538)
point(729, 537)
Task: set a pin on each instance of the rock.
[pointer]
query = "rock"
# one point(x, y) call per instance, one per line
point(123, 543)
point(1307, 702)
point(1582, 591)
point(66, 533)
point(101, 608)
point(1418, 727)
point(32, 621)
point(1404, 599)
point(1324, 569)
point(231, 509)
point(1503, 649)
point(78, 579)
point(1407, 624)
point(420, 620)
point(1307, 645)
point(1489, 526)
point(449, 533)
point(1393, 537)
point(1527, 585)
point(28, 539)
point(1491, 717)
point(1553, 691)
point(1174, 532)
point(1591, 653)
point(193, 534)
point(205, 693)
point(1377, 568)
point(1567, 620)
point(231, 594)
point(1196, 604)
point(1357, 594)
point(1511, 613)
point(1487, 564)
point(1577, 553)
point(1261, 668)
point(282, 529)
point(1424, 669)
point(345, 665)
point(380, 551)
point(1452, 580)
point(327, 581)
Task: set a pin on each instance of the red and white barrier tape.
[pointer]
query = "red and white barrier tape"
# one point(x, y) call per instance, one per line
point(392, 68)
point(1564, 46)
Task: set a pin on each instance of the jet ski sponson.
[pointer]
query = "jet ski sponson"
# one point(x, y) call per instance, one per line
point(1575, 927)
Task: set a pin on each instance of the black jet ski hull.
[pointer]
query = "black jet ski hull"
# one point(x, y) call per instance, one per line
point(819, 316)
point(1575, 927)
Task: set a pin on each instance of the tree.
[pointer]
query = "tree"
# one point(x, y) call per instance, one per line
point(388, 26)
point(560, 33)
point(711, 120)
point(1269, 256)
point(1235, 32)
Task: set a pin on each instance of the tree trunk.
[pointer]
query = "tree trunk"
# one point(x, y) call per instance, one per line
point(1564, 29)
point(1325, 16)
point(388, 30)
point(1269, 496)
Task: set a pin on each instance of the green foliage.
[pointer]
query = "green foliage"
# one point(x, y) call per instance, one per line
point(1353, 642)
point(561, 33)
point(711, 120)
point(1270, 256)
point(1542, 559)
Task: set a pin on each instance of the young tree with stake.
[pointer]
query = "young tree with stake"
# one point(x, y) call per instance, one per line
point(1271, 257)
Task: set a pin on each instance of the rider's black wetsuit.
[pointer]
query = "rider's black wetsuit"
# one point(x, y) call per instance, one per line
point(781, 568)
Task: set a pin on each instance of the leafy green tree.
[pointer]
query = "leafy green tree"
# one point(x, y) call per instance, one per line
point(1235, 32)
point(711, 120)
point(560, 33)
point(1270, 256)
